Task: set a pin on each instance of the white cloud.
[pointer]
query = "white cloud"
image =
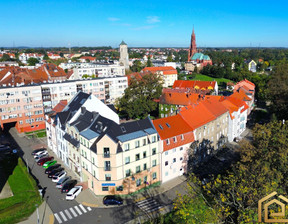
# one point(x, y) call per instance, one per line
point(113, 19)
point(153, 19)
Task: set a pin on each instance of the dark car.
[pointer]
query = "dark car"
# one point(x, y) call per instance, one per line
point(53, 172)
point(68, 186)
point(44, 160)
point(112, 200)
point(38, 150)
point(49, 169)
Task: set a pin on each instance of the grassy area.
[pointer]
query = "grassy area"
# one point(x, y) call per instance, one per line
point(208, 78)
point(26, 195)
point(37, 134)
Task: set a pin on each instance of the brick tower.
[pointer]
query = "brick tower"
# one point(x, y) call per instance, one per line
point(193, 48)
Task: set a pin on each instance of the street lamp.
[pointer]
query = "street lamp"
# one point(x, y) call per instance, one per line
point(36, 205)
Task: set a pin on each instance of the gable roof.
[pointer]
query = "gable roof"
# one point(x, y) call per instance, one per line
point(179, 98)
point(169, 127)
point(214, 106)
point(167, 70)
point(196, 115)
point(180, 84)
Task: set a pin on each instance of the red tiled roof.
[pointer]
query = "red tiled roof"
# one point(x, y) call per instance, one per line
point(196, 115)
point(246, 83)
point(214, 106)
point(60, 106)
point(178, 98)
point(192, 84)
point(177, 126)
point(160, 69)
point(88, 57)
point(240, 94)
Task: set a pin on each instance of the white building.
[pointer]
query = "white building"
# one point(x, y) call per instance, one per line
point(25, 56)
point(124, 56)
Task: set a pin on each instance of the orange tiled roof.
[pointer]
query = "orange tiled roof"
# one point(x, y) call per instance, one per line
point(169, 127)
point(240, 94)
point(193, 84)
point(188, 138)
point(197, 115)
point(180, 98)
point(246, 83)
point(88, 57)
point(214, 106)
point(60, 106)
point(159, 69)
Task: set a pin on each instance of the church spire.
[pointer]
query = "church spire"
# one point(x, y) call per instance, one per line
point(192, 48)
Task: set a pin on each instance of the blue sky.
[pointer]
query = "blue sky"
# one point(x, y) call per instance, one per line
point(147, 23)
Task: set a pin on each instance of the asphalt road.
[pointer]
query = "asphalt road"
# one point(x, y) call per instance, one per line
point(58, 204)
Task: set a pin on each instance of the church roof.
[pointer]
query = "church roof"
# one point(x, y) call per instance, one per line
point(123, 43)
point(200, 56)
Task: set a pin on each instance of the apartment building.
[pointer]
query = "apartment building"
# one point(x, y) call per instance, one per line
point(23, 106)
point(176, 138)
point(119, 158)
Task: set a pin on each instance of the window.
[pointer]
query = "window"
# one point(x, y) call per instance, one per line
point(107, 166)
point(138, 169)
point(108, 177)
point(128, 173)
point(174, 139)
point(144, 154)
point(138, 182)
point(153, 139)
point(154, 176)
point(167, 142)
point(127, 147)
point(137, 144)
point(166, 153)
point(94, 174)
point(153, 151)
point(137, 157)
point(144, 141)
point(145, 180)
point(181, 148)
point(182, 137)
point(127, 160)
point(144, 166)
point(174, 160)
point(174, 150)
point(119, 188)
point(105, 188)
point(154, 162)
point(181, 158)
point(166, 163)
point(106, 152)
point(93, 161)
point(166, 173)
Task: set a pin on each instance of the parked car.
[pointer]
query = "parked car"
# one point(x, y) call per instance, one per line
point(49, 163)
point(53, 172)
point(58, 176)
point(68, 186)
point(41, 157)
point(41, 153)
point(74, 192)
point(112, 200)
point(37, 150)
point(44, 160)
point(62, 181)
point(49, 169)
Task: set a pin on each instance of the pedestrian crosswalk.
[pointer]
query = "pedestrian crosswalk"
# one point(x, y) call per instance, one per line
point(149, 205)
point(71, 213)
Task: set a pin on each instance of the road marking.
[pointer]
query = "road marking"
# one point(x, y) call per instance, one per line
point(73, 212)
point(89, 209)
point(63, 216)
point(82, 207)
point(78, 210)
point(58, 218)
point(68, 214)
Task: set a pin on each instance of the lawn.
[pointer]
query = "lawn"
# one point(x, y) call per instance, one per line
point(26, 195)
point(38, 134)
point(208, 78)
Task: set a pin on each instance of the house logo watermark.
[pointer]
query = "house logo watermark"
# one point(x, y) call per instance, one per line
point(263, 209)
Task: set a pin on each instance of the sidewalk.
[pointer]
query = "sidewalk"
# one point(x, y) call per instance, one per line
point(88, 198)
point(45, 215)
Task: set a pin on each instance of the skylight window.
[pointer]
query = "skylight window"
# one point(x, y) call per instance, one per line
point(160, 126)
point(168, 125)
point(123, 129)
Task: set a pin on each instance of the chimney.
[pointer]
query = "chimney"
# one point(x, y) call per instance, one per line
point(83, 110)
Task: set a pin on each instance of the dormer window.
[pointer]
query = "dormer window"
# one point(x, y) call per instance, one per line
point(182, 137)
point(167, 142)
point(175, 139)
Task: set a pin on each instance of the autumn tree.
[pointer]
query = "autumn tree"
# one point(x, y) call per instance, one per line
point(138, 99)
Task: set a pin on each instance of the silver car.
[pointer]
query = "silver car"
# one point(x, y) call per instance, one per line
point(62, 181)
point(37, 158)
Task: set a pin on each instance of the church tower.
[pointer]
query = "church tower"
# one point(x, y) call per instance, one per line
point(124, 56)
point(193, 48)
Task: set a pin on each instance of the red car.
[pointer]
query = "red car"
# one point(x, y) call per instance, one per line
point(44, 160)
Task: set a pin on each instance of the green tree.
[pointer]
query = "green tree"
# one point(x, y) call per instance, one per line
point(137, 66)
point(5, 57)
point(32, 61)
point(138, 99)
point(149, 62)
point(278, 91)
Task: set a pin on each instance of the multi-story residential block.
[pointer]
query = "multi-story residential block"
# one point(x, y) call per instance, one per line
point(25, 56)
point(119, 159)
point(168, 74)
point(50, 122)
point(176, 136)
point(22, 106)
